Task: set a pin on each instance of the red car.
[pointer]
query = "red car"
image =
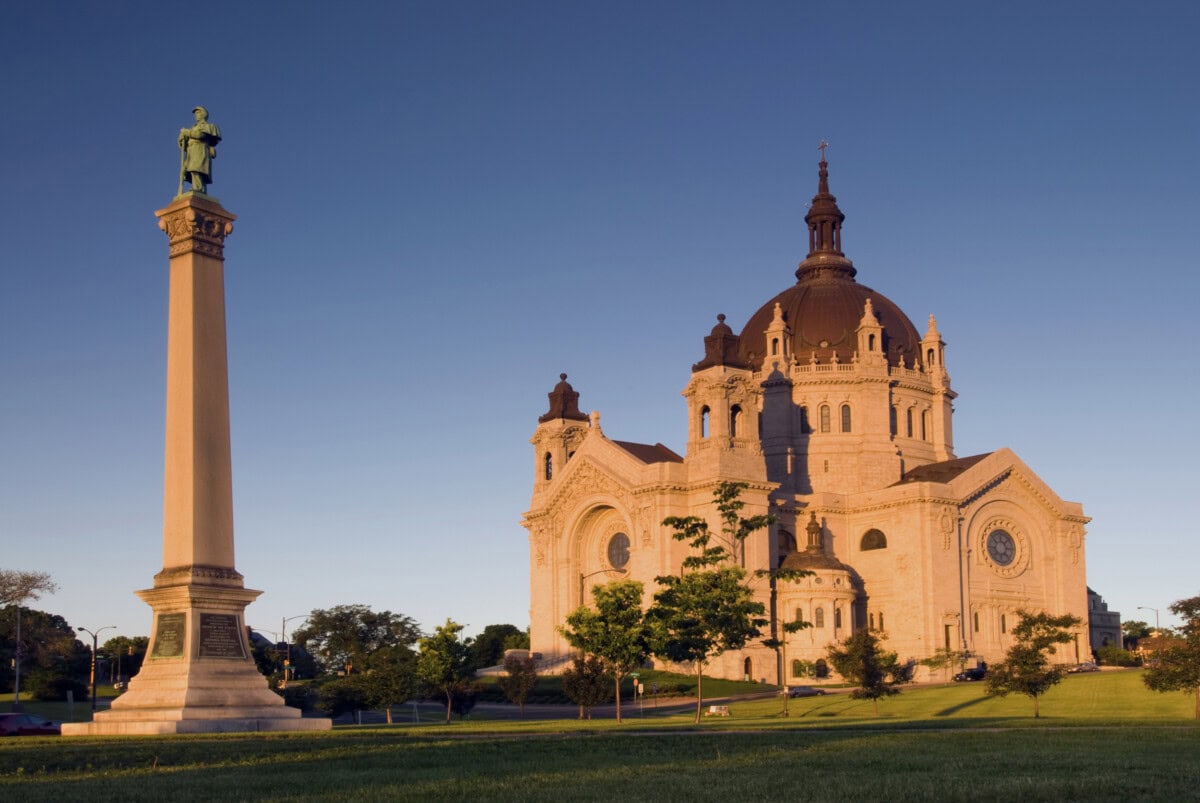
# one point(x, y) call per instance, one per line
point(27, 725)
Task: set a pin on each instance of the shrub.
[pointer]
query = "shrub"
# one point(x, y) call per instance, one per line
point(1115, 656)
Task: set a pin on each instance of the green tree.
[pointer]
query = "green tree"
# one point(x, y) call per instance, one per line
point(616, 632)
point(341, 638)
point(861, 660)
point(344, 695)
point(942, 658)
point(391, 677)
point(1133, 631)
point(17, 588)
point(487, 649)
point(586, 684)
point(128, 654)
point(1177, 667)
point(709, 608)
point(444, 662)
point(47, 647)
point(1026, 668)
point(519, 678)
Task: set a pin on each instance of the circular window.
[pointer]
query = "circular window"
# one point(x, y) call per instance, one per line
point(1001, 547)
point(618, 551)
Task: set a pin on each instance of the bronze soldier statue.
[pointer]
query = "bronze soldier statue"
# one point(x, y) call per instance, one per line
point(197, 149)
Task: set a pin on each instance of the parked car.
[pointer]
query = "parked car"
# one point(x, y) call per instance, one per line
point(805, 691)
point(974, 673)
point(1086, 666)
point(27, 725)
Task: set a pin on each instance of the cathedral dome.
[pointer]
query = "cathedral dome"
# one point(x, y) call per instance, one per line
point(825, 306)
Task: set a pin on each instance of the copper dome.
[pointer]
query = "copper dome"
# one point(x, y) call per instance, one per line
point(823, 309)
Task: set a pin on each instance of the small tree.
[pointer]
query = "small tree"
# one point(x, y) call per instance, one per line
point(709, 608)
point(1133, 631)
point(861, 660)
point(586, 684)
point(444, 662)
point(342, 637)
point(390, 678)
point(487, 649)
point(17, 588)
point(615, 632)
point(1177, 667)
point(942, 658)
point(1026, 668)
point(519, 678)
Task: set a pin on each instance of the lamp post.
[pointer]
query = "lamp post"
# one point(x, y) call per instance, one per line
point(1157, 632)
point(287, 661)
point(95, 642)
point(583, 577)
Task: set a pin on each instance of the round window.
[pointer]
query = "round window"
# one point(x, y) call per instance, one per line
point(618, 551)
point(1001, 547)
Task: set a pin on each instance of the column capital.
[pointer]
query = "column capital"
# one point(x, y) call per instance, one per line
point(195, 224)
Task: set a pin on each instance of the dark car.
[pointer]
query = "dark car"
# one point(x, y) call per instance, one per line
point(27, 725)
point(1086, 666)
point(975, 673)
point(804, 691)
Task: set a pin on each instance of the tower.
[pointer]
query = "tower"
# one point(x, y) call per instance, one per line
point(198, 675)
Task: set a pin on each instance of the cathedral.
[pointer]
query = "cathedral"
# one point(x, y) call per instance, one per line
point(836, 412)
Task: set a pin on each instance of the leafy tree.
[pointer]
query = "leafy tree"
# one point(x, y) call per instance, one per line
point(128, 654)
point(1177, 667)
point(710, 607)
point(344, 695)
point(942, 658)
point(861, 660)
point(487, 649)
point(390, 678)
point(17, 588)
point(1026, 668)
point(444, 662)
point(342, 637)
point(46, 645)
point(1132, 631)
point(463, 696)
point(1115, 656)
point(519, 678)
point(586, 684)
point(615, 632)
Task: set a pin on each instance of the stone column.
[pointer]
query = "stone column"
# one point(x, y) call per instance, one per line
point(198, 675)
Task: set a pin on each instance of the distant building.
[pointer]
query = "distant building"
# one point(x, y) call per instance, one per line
point(837, 412)
point(1104, 626)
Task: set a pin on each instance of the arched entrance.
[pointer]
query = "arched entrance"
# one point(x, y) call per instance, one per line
point(748, 670)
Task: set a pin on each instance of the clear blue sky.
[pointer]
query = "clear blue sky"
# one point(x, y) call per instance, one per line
point(442, 205)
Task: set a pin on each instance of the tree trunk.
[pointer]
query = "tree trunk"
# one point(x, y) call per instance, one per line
point(449, 702)
point(388, 710)
point(875, 703)
point(1036, 715)
point(617, 682)
point(1198, 702)
point(699, 689)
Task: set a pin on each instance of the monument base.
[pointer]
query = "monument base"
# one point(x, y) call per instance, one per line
point(199, 675)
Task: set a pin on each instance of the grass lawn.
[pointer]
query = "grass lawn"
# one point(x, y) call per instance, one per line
point(1101, 737)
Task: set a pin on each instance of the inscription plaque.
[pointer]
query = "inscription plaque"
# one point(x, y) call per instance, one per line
point(220, 636)
point(169, 635)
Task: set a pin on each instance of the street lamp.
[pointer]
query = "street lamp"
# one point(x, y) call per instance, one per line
point(583, 577)
point(287, 661)
point(1157, 632)
point(95, 641)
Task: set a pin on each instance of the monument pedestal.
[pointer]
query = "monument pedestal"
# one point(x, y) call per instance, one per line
point(199, 675)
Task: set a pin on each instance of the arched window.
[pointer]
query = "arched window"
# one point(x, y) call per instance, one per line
point(870, 342)
point(799, 615)
point(704, 421)
point(873, 539)
point(893, 415)
point(774, 346)
point(735, 412)
point(748, 669)
point(871, 619)
point(824, 417)
point(820, 669)
point(548, 469)
point(797, 668)
point(908, 422)
point(837, 618)
point(881, 627)
point(929, 359)
point(845, 418)
point(975, 622)
point(819, 617)
point(925, 426)
point(787, 543)
point(1003, 624)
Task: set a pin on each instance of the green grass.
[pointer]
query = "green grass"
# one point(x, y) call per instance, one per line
point(549, 688)
point(1101, 737)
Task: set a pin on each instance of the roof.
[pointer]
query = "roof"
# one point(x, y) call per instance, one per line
point(811, 559)
point(650, 454)
point(944, 471)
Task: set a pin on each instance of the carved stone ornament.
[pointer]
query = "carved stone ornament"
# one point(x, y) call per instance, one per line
point(946, 525)
point(1004, 547)
point(190, 229)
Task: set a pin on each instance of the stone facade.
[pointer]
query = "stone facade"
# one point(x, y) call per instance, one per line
point(838, 415)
